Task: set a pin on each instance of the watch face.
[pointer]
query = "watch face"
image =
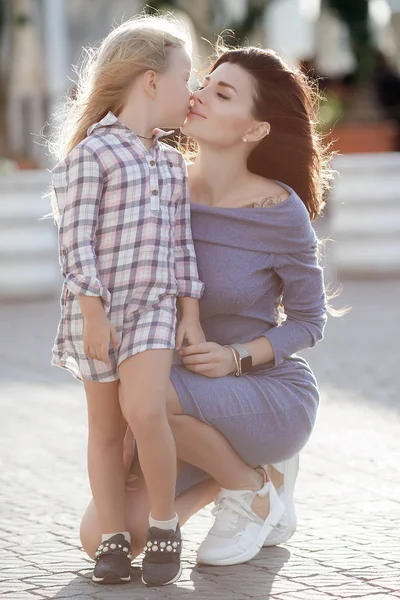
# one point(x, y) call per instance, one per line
point(246, 364)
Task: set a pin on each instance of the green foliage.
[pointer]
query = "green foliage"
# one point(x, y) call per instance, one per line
point(161, 5)
point(352, 12)
point(2, 16)
point(355, 14)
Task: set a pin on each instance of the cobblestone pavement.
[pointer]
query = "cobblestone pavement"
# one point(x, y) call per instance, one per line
point(348, 495)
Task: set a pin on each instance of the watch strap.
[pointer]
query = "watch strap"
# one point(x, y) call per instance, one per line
point(242, 353)
point(237, 362)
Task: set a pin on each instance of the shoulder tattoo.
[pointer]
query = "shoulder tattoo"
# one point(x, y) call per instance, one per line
point(270, 201)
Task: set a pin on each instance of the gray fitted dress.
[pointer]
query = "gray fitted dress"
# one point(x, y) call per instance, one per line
point(250, 258)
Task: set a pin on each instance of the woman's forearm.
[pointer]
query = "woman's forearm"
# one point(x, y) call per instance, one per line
point(260, 350)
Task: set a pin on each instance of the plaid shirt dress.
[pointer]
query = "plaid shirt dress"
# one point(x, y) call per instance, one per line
point(124, 235)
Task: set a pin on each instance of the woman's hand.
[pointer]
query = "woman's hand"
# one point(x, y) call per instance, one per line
point(98, 331)
point(189, 330)
point(208, 358)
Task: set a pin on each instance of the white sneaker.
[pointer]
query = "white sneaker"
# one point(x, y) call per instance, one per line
point(288, 522)
point(238, 532)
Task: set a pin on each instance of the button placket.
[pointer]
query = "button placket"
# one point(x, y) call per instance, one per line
point(155, 200)
point(154, 185)
point(154, 190)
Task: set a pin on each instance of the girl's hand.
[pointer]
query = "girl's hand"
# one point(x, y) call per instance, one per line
point(189, 330)
point(209, 359)
point(98, 331)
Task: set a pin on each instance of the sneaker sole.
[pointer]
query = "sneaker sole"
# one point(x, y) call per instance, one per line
point(167, 582)
point(290, 475)
point(111, 579)
point(272, 520)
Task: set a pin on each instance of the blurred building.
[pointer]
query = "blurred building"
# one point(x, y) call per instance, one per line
point(43, 38)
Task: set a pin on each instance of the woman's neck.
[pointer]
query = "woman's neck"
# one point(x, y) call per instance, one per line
point(216, 174)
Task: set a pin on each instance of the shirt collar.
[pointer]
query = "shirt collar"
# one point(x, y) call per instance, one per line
point(111, 121)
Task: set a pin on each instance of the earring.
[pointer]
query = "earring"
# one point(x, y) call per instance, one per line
point(244, 139)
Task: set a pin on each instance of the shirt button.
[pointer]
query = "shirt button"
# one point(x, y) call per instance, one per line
point(154, 192)
point(152, 163)
point(170, 164)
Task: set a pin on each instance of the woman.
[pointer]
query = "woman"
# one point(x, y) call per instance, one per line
point(257, 182)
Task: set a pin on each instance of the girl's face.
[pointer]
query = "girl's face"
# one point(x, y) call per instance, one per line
point(221, 110)
point(173, 94)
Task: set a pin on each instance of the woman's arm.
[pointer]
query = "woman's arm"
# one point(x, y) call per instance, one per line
point(305, 309)
point(212, 360)
point(304, 303)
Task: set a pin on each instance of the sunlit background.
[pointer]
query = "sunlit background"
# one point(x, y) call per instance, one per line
point(351, 48)
point(347, 495)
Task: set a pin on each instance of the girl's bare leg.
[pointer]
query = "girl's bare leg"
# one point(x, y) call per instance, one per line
point(105, 444)
point(137, 507)
point(198, 444)
point(144, 378)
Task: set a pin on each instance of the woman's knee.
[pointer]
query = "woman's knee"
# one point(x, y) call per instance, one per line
point(136, 523)
point(90, 533)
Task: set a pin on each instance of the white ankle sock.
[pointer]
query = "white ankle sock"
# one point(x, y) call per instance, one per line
point(171, 524)
point(106, 536)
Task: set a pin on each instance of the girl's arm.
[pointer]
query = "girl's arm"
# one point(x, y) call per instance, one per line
point(189, 284)
point(82, 190)
point(190, 288)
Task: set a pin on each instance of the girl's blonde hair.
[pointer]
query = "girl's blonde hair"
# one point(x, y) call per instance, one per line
point(106, 73)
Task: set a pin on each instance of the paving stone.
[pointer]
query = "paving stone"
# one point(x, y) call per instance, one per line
point(348, 540)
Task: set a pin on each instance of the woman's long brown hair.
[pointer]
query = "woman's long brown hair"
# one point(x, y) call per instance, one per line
point(294, 152)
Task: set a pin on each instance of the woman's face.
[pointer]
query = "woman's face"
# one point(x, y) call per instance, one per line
point(221, 111)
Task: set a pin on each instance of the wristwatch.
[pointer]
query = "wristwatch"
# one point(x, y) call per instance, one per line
point(244, 359)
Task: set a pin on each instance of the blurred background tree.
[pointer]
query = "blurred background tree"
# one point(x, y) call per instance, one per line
point(355, 14)
point(3, 95)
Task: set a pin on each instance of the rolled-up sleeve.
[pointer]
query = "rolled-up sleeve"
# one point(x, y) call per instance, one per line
point(186, 272)
point(304, 301)
point(79, 200)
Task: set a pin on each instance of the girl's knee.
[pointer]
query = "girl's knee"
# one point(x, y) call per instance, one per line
point(146, 418)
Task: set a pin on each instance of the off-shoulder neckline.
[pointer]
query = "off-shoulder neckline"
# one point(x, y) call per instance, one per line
point(253, 209)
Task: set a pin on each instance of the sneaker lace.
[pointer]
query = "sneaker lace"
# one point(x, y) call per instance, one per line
point(228, 509)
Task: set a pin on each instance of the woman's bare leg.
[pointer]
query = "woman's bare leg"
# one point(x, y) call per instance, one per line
point(276, 477)
point(198, 444)
point(205, 447)
point(137, 509)
point(105, 444)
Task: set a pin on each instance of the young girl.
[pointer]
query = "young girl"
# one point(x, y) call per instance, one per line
point(126, 253)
